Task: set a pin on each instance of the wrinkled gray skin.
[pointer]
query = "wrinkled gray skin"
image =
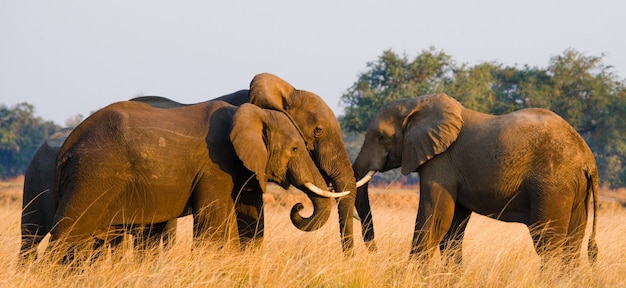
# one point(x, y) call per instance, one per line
point(39, 207)
point(251, 216)
point(137, 179)
point(320, 129)
point(529, 166)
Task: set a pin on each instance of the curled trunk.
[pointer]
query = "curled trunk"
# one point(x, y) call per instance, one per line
point(321, 212)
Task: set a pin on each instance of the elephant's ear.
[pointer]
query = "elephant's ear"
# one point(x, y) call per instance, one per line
point(270, 91)
point(429, 129)
point(248, 141)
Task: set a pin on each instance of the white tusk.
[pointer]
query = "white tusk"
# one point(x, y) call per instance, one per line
point(365, 178)
point(319, 191)
point(355, 215)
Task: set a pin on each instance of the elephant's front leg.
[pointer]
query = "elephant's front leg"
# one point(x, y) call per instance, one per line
point(434, 218)
point(214, 218)
point(451, 246)
point(250, 216)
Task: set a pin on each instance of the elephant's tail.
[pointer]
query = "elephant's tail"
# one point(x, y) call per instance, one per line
point(592, 192)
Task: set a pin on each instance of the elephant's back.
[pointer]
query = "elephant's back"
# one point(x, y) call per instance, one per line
point(135, 138)
point(158, 102)
point(127, 118)
point(236, 98)
point(548, 129)
point(522, 144)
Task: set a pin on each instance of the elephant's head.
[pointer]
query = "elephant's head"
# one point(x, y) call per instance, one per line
point(320, 129)
point(405, 133)
point(270, 145)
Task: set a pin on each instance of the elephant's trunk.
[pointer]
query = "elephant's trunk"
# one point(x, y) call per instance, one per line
point(336, 167)
point(363, 204)
point(346, 211)
point(321, 212)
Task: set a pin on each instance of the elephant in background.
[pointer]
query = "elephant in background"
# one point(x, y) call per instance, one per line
point(38, 204)
point(529, 166)
point(149, 171)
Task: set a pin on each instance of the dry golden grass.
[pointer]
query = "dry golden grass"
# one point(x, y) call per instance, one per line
point(496, 254)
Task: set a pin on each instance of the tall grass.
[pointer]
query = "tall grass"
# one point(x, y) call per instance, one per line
point(496, 254)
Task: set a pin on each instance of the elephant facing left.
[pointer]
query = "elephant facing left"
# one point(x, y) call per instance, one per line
point(126, 165)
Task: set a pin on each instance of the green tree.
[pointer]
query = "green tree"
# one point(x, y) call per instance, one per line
point(582, 87)
point(21, 134)
point(393, 77)
point(593, 100)
point(473, 85)
point(490, 87)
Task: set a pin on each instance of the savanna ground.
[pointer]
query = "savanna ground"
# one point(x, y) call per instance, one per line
point(496, 254)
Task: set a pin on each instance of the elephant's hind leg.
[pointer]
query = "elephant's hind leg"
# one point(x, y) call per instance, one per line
point(69, 236)
point(550, 220)
point(64, 249)
point(575, 235)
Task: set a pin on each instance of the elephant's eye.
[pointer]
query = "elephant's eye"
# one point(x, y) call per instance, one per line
point(294, 149)
point(318, 131)
point(380, 137)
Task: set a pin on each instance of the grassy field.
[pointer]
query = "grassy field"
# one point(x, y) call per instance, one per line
point(496, 254)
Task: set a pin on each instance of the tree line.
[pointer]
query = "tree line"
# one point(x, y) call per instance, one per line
point(21, 134)
point(578, 87)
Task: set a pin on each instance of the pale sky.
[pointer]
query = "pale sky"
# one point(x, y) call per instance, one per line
point(74, 57)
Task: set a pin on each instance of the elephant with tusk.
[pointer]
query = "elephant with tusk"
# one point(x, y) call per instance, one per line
point(124, 165)
point(529, 166)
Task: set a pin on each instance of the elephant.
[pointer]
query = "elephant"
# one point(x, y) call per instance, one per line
point(529, 166)
point(39, 207)
point(39, 204)
point(124, 166)
point(318, 125)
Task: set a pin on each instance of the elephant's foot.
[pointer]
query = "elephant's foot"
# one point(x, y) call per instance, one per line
point(28, 256)
point(371, 246)
point(347, 246)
